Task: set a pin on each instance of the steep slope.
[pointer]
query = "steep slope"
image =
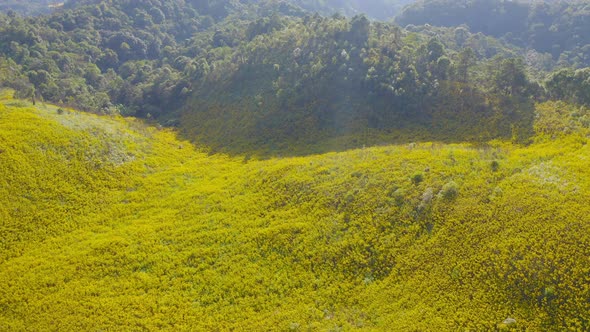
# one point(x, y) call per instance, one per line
point(56, 171)
point(108, 224)
point(146, 59)
point(318, 78)
point(121, 56)
point(265, 77)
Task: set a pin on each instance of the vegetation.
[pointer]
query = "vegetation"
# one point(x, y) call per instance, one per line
point(264, 76)
point(570, 85)
point(549, 27)
point(318, 78)
point(108, 223)
point(30, 7)
point(378, 9)
point(290, 171)
point(110, 57)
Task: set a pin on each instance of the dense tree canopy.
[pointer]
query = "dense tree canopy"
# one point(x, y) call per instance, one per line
point(30, 7)
point(378, 9)
point(126, 50)
point(338, 76)
point(189, 62)
point(555, 27)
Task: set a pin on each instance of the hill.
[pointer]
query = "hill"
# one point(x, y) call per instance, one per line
point(178, 61)
point(31, 7)
point(552, 27)
point(376, 9)
point(108, 223)
point(102, 56)
point(208, 68)
point(325, 78)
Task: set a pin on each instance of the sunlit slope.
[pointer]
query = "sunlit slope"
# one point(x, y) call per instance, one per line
point(57, 169)
point(111, 225)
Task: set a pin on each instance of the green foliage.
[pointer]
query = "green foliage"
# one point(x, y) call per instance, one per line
point(554, 28)
point(569, 85)
point(558, 119)
point(319, 79)
point(95, 54)
point(449, 191)
point(417, 178)
point(31, 7)
point(106, 222)
point(246, 76)
point(378, 9)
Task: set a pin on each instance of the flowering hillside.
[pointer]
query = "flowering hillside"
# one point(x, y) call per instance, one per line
point(109, 224)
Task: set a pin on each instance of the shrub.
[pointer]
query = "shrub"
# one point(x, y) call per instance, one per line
point(417, 178)
point(495, 166)
point(449, 191)
point(399, 196)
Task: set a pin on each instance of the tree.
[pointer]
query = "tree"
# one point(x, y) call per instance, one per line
point(570, 85)
point(465, 60)
point(510, 78)
point(360, 28)
point(435, 49)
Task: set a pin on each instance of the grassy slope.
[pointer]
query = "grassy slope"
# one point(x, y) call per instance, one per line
point(108, 224)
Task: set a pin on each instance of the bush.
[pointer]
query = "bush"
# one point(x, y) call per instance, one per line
point(417, 178)
point(399, 196)
point(495, 166)
point(449, 191)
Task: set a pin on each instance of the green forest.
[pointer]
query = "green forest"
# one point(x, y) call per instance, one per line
point(558, 28)
point(31, 7)
point(302, 165)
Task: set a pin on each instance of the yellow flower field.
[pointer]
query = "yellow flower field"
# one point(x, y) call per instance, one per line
point(109, 224)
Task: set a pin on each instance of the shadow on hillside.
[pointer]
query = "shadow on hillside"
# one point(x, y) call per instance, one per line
point(262, 127)
point(330, 143)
